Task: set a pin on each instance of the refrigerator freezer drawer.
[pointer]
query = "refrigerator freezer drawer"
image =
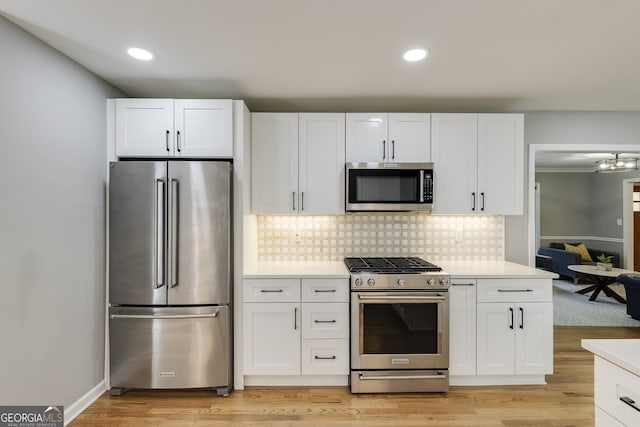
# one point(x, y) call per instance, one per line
point(169, 347)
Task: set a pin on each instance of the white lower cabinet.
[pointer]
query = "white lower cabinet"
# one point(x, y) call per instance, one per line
point(616, 395)
point(296, 327)
point(514, 327)
point(272, 338)
point(501, 331)
point(462, 327)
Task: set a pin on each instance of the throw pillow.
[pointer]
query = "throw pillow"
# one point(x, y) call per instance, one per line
point(579, 249)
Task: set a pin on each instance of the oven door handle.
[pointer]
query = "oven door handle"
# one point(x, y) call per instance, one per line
point(399, 297)
point(401, 377)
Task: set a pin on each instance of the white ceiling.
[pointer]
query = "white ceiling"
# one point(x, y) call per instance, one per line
point(346, 55)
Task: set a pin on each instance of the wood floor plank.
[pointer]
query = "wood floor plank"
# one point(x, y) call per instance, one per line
point(566, 400)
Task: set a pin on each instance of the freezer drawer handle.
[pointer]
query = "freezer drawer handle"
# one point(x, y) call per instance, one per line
point(165, 316)
point(401, 377)
point(629, 401)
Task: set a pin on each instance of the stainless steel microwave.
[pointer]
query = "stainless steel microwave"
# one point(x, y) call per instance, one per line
point(374, 187)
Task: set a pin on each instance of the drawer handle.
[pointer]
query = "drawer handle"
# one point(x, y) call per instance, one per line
point(515, 290)
point(271, 291)
point(629, 401)
point(324, 321)
point(462, 284)
point(324, 357)
point(318, 291)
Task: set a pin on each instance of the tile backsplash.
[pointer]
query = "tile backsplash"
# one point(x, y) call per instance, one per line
point(331, 238)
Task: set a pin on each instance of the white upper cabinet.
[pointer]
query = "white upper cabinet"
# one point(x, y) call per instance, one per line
point(501, 163)
point(478, 163)
point(298, 163)
point(204, 127)
point(388, 137)
point(321, 163)
point(274, 165)
point(410, 136)
point(144, 127)
point(174, 128)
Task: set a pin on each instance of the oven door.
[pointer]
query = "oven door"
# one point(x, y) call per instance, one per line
point(400, 330)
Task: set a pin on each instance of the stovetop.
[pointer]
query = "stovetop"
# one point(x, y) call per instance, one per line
point(395, 273)
point(389, 265)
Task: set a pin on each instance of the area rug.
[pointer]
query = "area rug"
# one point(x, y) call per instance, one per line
point(571, 309)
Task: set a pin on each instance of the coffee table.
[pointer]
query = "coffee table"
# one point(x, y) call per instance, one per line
point(601, 279)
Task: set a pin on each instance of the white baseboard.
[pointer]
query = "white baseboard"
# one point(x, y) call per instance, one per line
point(76, 408)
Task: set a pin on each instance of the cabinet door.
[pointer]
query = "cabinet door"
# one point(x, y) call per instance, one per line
point(410, 136)
point(501, 163)
point(455, 163)
point(534, 338)
point(203, 127)
point(367, 137)
point(272, 339)
point(462, 327)
point(496, 339)
point(321, 163)
point(144, 128)
point(274, 168)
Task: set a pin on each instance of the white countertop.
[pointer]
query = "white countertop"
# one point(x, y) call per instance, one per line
point(303, 269)
point(492, 269)
point(337, 269)
point(624, 353)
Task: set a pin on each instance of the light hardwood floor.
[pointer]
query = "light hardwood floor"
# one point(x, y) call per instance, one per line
point(567, 400)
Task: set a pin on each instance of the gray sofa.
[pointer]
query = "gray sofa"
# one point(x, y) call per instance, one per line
point(561, 258)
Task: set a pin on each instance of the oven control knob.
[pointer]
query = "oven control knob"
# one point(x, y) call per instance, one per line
point(402, 282)
point(371, 282)
point(358, 282)
point(444, 281)
point(431, 281)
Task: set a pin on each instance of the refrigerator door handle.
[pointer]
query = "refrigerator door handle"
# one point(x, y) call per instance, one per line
point(173, 212)
point(166, 316)
point(159, 235)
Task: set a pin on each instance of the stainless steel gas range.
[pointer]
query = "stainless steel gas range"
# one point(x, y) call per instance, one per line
point(399, 325)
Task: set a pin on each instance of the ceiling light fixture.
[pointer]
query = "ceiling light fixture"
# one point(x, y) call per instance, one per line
point(414, 55)
point(618, 164)
point(141, 54)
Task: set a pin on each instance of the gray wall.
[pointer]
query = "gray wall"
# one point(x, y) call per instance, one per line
point(582, 204)
point(579, 128)
point(52, 222)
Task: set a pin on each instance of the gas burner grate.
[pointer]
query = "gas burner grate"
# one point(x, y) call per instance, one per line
point(383, 265)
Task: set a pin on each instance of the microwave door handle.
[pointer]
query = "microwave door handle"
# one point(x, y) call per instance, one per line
point(421, 186)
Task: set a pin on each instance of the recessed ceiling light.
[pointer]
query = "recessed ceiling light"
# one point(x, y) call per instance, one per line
point(141, 54)
point(414, 55)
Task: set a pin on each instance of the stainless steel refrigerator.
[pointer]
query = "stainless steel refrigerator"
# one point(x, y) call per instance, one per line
point(170, 275)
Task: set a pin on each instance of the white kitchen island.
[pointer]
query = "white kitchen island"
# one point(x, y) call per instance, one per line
point(616, 381)
point(501, 323)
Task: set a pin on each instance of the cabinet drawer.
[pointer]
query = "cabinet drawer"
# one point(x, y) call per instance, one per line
point(272, 290)
point(325, 357)
point(325, 290)
point(325, 320)
point(605, 420)
point(514, 290)
point(612, 384)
